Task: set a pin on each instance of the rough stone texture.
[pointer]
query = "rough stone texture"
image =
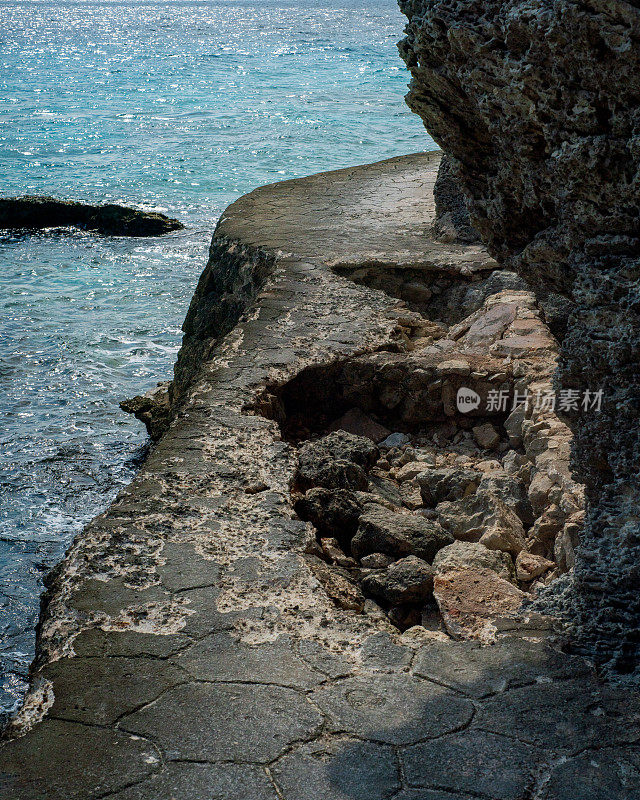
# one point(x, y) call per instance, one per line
point(439, 485)
point(453, 222)
point(409, 580)
point(484, 518)
point(469, 554)
point(537, 102)
point(111, 220)
point(333, 512)
point(253, 683)
point(397, 534)
point(471, 598)
point(337, 461)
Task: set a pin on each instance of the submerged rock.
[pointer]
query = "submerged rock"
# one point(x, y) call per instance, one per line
point(33, 213)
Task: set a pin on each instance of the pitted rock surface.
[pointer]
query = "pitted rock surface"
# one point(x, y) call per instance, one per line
point(536, 102)
point(186, 648)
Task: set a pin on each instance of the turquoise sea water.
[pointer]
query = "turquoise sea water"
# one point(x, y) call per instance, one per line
point(174, 106)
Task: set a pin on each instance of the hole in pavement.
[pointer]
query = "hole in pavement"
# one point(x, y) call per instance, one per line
point(437, 295)
point(421, 513)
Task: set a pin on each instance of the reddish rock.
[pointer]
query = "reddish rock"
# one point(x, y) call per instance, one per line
point(470, 600)
point(530, 566)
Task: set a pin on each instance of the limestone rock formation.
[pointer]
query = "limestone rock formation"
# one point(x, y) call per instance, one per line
point(538, 104)
point(34, 213)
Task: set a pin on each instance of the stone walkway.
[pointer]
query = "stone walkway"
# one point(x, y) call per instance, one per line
point(188, 652)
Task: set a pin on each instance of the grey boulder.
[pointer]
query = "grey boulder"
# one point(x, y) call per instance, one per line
point(398, 534)
point(409, 580)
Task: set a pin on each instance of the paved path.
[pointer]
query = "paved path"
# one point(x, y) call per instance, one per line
point(187, 651)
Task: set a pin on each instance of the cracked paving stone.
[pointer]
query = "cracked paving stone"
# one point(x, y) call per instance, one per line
point(319, 657)
point(178, 781)
point(429, 794)
point(473, 761)
point(96, 643)
point(563, 716)
point(113, 596)
point(397, 709)
point(185, 569)
point(222, 721)
point(89, 762)
point(338, 769)
point(596, 775)
point(479, 671)
point(381, 652)
point(222, 657)
point(101, 690)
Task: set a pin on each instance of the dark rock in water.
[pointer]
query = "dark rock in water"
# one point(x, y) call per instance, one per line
point(409, 580)
point(398, 534)
point(337, 461)
point(34, 213)
point(538, 104)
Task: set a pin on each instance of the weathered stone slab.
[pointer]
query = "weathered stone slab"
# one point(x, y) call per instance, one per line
point(492, 766)
point(226, 722)
point(479, 670)
point(194, 781)
point(222, 657)
point(396, 709)
point(338, 769)
point(101, 690)
point(566, 716)
point(600, 774)
point(90, 762)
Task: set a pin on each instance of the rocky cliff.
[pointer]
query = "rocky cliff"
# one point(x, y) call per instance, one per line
point(538, 103)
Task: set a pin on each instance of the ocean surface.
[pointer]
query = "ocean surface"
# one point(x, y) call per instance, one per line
point(178, 107)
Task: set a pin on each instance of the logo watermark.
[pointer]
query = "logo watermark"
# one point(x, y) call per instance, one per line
point(467, 400)
point(502, 400)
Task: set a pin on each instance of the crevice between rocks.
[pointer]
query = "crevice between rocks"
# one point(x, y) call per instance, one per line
point(426, 511)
